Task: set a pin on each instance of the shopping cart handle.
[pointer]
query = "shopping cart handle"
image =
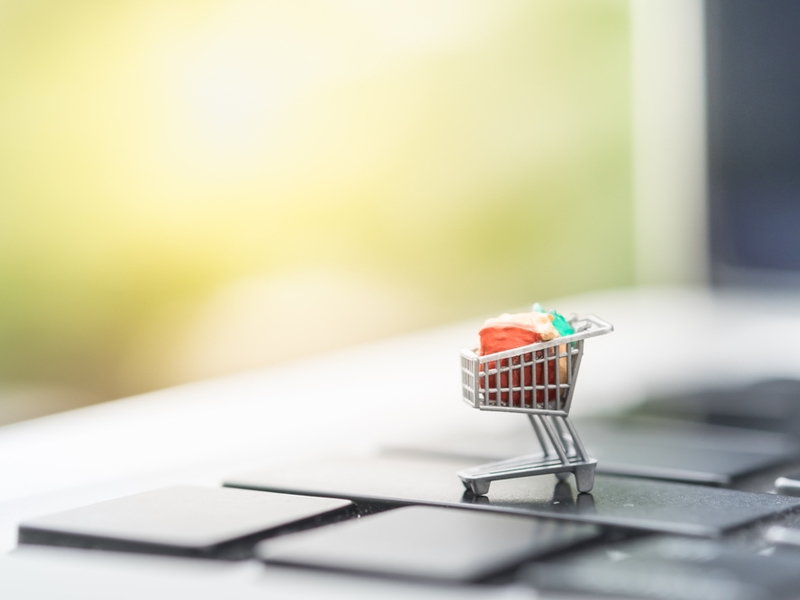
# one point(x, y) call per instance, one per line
point(586, 326)
point(600, 326)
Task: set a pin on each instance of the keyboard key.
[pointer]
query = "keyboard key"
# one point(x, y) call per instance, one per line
point(427, 542)
point(771, 405)
point(683, 452)
point(671, 568)
point(188, 521)
point(634, 503)
point(690, 452)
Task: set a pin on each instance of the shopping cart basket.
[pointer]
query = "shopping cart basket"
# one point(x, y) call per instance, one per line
point(537, 380)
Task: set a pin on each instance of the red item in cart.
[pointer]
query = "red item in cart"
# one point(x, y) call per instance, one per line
point(506, 336)
point(514, 331)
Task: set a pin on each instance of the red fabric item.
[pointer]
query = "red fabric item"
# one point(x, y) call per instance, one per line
point(506, 336)
point(500, 337)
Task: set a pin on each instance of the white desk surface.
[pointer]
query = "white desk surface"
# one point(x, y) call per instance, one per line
point(354, 399)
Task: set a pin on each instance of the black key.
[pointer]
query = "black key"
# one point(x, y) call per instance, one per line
point(427, 542)
point(672, 568)
point(690, 452)
point(683, 452)
point(187, 521)
point(627, 502)
point(772, 405)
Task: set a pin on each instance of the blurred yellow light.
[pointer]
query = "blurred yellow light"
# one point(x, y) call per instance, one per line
point(226, 99)
point(154, 153)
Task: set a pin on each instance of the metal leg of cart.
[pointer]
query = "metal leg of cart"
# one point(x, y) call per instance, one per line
point(563, 453)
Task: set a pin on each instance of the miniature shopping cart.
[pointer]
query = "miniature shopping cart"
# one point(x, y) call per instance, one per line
point(537, 380)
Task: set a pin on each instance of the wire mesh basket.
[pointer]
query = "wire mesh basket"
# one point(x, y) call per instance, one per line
point(539, 380)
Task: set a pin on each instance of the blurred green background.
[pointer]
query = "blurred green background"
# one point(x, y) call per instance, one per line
point(189, 189)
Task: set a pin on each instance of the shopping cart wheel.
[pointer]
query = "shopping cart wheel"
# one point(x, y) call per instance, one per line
point(563, 475)
point(478, 487)
point(584, 478)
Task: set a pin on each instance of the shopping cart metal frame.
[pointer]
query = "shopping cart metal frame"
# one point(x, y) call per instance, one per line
point(497, 382)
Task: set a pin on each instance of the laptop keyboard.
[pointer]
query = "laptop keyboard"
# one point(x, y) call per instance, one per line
point(682, 507)
point(640, 504)
point(642, 447)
